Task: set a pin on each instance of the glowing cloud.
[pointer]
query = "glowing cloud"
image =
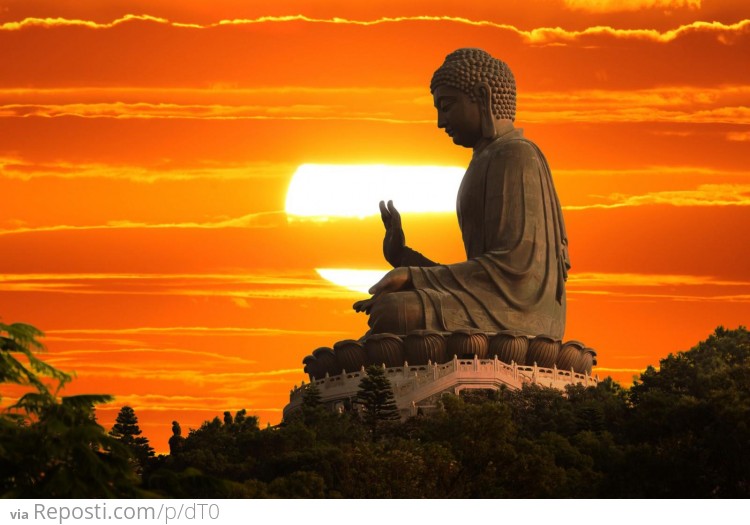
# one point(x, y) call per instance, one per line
point(251, 220)
point(233, 287)
point(578, 283)
point(148, 111)
point(704, 195)
point(329, 190)
point(539, 35)
point(678, 103)
point(590, 279)
point(739, 136)
point(683, 104)
point(606, 6)
point(24, 169)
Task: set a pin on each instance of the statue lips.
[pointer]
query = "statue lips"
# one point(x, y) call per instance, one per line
point(452, 135)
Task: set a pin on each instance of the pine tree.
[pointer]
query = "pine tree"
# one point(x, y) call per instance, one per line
point(375, 396)
point(311, 396)
point(126, 429)
point(312, 405)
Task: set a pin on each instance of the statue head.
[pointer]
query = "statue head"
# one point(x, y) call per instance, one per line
point(473, 92)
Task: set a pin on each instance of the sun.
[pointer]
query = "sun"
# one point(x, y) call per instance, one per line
point(340, 190)
point(354, 280)
point(321, 191)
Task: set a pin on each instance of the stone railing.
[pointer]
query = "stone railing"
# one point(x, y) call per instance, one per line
point(413, 384)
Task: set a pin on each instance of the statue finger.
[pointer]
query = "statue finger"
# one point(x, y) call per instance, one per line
point(385, 215)
point(360, 306)
point(365, 305)
point(375, 288)
point(395, 215)
point(382, 286)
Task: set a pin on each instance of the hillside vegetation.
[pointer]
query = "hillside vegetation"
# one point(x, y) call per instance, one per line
point(680, 431)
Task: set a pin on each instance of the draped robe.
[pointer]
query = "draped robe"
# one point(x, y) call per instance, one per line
point(516, 248)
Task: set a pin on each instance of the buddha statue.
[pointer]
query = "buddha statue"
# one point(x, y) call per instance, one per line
point(508, 212)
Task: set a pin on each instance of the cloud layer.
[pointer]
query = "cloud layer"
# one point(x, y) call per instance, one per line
point(541, 35)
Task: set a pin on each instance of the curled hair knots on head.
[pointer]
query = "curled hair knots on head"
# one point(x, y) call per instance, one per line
point(466, 67)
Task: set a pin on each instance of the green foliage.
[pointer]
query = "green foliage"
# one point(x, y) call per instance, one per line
point(22, 340)
point(217, 448)
point(375, 396)
point(192, 483)
point(691, 420)
point(127, 431)
point(312, 410)
point(680, 431)
point(52, 447)
point(396, 468)
point(64, 453)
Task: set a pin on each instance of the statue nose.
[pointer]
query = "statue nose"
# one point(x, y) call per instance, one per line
point(440, 121)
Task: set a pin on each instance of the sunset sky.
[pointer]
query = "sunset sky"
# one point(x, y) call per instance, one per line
point(146, 150)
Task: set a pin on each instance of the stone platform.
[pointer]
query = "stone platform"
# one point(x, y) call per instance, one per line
point(423, 365)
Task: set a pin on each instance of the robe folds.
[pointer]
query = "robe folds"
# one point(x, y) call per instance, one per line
point(516, 248)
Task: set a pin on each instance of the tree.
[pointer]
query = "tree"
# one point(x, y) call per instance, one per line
point(313, 410)
point(22, 340)
point(240, 417)
point(52, 447)
point(311, 397)
point(691, 421)
point(127, 431)
point(375, 396)
point(681, 431)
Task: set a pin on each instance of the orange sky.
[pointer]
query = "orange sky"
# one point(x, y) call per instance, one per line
point(146, 149)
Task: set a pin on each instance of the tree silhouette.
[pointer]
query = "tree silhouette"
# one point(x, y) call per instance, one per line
point(22, 340)
point(375, 396)
point(312, 407)
point(681, 431)
point(127, 431)
point(691, 420)
point(52, 447)
point(311, 397)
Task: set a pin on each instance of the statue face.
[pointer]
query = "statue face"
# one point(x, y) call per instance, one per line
point(458, 116)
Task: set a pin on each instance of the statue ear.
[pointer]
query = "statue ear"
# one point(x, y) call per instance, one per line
point(483, 94)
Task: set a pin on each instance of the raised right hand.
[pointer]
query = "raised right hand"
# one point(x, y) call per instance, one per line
point(394, 240)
